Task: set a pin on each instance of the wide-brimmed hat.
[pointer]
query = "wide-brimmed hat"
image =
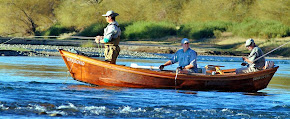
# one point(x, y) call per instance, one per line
point(249, 42)
point(184, 40)
point(110, 13)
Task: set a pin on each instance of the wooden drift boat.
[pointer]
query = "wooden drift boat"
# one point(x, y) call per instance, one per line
point(93, 71)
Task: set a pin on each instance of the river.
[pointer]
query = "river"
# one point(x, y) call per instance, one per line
point(40, 87)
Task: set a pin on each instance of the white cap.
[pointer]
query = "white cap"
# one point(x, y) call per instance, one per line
point(184, 40)
point(249, 42)
point(110, 13)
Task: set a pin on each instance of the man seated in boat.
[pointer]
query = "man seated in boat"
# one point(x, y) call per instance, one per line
point(111, 37)
point(186, 58)
point(253, 64)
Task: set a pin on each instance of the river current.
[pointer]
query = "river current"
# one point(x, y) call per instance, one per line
point(40, 87)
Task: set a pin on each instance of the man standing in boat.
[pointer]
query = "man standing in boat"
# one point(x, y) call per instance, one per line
point(186, 58)
point(254, 64)
point(111, 37)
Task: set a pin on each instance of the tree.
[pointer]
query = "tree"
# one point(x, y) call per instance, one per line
point(78, 13)
point(26, 17)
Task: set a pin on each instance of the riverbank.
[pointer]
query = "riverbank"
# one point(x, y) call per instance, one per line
point(139, 49)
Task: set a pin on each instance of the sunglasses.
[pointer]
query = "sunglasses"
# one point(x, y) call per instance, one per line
point(185, 43)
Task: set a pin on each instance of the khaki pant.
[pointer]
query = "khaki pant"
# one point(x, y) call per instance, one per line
point(111, 53)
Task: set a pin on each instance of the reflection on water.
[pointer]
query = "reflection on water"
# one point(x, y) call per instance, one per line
point(94, 87)
point(280, 82)
point(257, 94)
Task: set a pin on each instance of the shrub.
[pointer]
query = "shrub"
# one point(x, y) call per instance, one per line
point(199, 30)
point(217, 33)
point(93, 30)
point(263, 29)
point(143, 30)
point(56, 30)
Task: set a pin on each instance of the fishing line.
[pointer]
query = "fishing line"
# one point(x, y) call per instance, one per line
point(11, 40)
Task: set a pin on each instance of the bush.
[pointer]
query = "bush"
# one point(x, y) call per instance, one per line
point(199, 30)
point(143, 30)
point(56, 30)
point(93, 30)
point(263, 29)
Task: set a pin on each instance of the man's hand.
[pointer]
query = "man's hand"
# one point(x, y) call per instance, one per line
point(179, 68)
point(244, 58)
point(161, 67)
point(98, 38)
point(244, 64)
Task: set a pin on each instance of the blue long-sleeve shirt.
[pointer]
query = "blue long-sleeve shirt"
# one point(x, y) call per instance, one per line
point(185, 58)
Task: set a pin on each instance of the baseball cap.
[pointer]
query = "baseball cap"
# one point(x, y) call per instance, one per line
point(184, 40)
point(110, 13)
point(249, 42)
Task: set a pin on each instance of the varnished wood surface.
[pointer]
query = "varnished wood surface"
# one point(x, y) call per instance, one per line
point(98, 72)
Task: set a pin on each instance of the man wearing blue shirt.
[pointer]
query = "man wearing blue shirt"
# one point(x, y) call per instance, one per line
point(186, 58)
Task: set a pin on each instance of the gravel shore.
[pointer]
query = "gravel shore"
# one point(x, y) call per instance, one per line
point(47, 50)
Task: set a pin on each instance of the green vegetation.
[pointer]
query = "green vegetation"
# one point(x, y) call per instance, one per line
point(93, 30)
point(56, 30)
point(198, 20)
point(197, 30)
point(147, 19)
point(263, 29)
point(145, 30)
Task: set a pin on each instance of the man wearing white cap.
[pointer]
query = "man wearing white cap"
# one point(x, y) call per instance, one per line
point(186, 58)
point(252, 65)
point(111, 37)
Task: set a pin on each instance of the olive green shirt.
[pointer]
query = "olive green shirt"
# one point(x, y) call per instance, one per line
point(256, 53)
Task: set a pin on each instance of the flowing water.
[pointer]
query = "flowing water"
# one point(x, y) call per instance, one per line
point(39, 87)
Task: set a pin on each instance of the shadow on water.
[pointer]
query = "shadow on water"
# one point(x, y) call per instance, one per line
point(34, 70)
point(257, 94)
point(94, 87)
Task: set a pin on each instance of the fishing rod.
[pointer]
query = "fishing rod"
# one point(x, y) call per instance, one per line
point(78, 37)
point(11, 39)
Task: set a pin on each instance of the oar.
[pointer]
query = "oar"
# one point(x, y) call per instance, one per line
point(134, 65)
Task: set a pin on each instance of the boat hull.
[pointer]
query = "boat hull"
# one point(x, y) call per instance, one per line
point(93, 71)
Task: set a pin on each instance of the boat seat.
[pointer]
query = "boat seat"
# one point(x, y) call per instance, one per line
point(215, 68)
point(268, 65)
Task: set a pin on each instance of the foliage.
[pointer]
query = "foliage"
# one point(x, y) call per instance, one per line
point(56, 30)
point(21, 17)
point(143, 30)
point(199, 30)
point(93, 30)
point(27, 17)
point(78, 13)
point(261, 28)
